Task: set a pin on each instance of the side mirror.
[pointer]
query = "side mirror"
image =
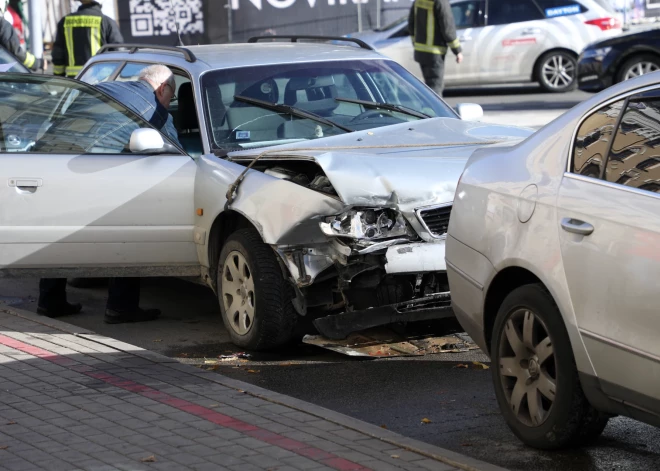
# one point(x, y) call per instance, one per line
point(470, 111)
point(144, 140)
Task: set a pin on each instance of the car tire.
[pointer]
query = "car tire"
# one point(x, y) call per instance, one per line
point(250, 276)
point(638, 65)
point(533, 360)
point(554, 68)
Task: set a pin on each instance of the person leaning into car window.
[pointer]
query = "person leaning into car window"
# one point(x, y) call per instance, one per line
point(433, 31)
point(149, 97)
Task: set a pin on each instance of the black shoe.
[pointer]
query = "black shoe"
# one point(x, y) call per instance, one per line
point(60, 310)
point(136, 315)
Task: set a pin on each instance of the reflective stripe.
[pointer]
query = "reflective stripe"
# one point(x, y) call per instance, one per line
point(95, 40)
point(430, 49)
point(72, 71)
point(68, 37)
point(29, 60)
point(58, 69)
point(455, 44)
point(83, 21)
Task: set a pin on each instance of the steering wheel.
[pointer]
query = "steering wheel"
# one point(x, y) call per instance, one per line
point(369, 114)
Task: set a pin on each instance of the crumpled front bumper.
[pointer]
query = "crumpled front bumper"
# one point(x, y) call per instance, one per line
point(418, 257)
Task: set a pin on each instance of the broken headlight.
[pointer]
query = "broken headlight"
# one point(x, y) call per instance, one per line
point(366, 224)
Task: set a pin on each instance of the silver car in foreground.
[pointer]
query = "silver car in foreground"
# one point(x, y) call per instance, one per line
point(313, 180)
point(507, 41)
point(553, 258)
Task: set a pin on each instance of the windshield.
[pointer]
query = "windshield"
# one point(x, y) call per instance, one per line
point(9, 63)
point(330, 90)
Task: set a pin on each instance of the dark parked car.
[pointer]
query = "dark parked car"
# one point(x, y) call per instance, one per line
point(614, 60)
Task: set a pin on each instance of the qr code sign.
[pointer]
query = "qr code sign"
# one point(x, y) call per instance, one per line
point(160, 17)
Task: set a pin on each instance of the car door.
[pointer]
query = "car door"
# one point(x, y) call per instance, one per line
point(514, 39)
point(75, 196)
point(609, 225)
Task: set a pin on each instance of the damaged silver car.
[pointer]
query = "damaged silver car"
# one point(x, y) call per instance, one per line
point(314, 182)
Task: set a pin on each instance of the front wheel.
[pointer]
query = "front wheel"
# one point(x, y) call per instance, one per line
point(556, 72)
point(255, 299)
point(535, 377)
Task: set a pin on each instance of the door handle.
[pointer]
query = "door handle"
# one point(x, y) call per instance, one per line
point(25, 184)
point(576, 226)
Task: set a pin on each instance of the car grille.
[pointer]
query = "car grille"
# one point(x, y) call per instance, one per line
point(436, 219)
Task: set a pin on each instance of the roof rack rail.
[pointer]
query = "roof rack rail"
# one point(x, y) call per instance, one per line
point(294, 39)
point(187, 53)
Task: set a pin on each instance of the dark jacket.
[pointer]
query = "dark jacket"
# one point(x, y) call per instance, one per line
point(431, 45)
point(79, 37)
point(140, 97)
point(10, 41)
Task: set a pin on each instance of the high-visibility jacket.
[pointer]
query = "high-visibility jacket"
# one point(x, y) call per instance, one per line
point(431, 25)
point(80, 35)
point(10, 41)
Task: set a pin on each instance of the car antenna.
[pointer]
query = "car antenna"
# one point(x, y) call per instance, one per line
point(176, 24)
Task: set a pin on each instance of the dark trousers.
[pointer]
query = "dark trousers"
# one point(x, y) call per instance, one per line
point(434, 74)
point(123, 293)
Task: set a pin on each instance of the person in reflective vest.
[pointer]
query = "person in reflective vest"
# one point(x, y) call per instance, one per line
point(433, 31)
point(10, 40)
point(80, 35)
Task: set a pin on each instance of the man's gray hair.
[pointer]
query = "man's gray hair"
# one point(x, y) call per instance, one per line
point(158, 74)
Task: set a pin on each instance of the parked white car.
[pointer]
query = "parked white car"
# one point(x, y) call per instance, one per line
point(553, 256)
point(506, 41)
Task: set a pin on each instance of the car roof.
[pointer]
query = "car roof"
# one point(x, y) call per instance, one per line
point(223, 56)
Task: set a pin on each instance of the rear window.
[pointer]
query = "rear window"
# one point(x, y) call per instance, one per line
point(556, 8)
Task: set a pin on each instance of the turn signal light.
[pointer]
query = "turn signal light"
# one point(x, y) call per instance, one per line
point(606, 23)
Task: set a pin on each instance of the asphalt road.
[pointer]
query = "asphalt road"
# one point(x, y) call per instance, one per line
point(396, 393)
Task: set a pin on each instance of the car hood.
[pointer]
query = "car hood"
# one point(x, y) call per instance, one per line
point(406, 166)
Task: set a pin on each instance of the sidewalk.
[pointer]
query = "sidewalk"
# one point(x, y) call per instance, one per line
point(73, 400)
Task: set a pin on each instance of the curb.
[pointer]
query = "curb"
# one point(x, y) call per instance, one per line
point(448, 457)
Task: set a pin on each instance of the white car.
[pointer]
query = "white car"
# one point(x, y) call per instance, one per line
point(553, 258)
point(507, 41)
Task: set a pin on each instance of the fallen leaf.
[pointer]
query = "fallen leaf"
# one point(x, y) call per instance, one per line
point(384, 426)
point(394, 456)
point(253, 371)
point(466, 444)
point(4, 447)
point(461, 365)
point(426, 421)
point(150, 459)
point(480, 366)
point(11, 423)
point(157, 340)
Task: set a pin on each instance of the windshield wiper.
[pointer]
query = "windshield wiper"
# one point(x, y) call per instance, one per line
point(386, 106)
point(290, 110)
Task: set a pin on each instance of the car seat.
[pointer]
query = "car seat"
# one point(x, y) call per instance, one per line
point(187, 121)
point(313, 94)
point(257, 124)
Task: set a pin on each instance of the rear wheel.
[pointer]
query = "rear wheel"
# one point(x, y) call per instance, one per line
point(637, 66)
point(534, 373)
point(556, 72)
point(255, 299)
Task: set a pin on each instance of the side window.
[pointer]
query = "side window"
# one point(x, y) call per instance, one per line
point(32, 117)
point(593, 140)
point(635, 156)
point(557, 8)
point(131, 71)
point(99, 72)
point(468, 14)
point(512, 11)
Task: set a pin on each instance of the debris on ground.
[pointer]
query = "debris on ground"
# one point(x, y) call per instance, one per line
point(480, 366)
point(426, 421)
point(461, 365)
point(149, 459)
point(384, 342)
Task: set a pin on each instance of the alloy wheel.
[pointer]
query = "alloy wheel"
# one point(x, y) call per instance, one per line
point(527, 367)
point(640, 68)
point(558, 71)
point(238, 293)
